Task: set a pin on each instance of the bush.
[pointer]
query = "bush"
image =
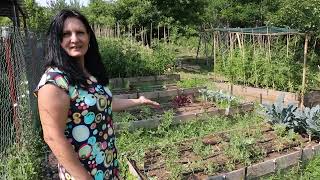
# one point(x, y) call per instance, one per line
point(123, 58)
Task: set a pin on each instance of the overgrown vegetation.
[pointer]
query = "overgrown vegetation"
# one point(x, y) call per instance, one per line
point(278, 66)
point(123, 58)
point(25, 159)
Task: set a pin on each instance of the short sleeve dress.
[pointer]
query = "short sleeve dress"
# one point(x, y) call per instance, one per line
point(89, 126)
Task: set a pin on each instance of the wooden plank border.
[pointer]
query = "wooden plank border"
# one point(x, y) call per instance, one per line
point(121, 81)
point(155, 122)
point(272, 165)
point(252, 93)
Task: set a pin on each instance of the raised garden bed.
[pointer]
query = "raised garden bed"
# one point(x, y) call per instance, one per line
point(181, 114)
point(160, 94)
point(168, 77)
point(251, 152)
point(144, 88)
point(257, 94)
point(143, 82)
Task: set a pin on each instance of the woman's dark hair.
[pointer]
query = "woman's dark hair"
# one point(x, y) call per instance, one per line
point(57, 57)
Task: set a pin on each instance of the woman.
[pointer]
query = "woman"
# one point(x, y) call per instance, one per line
point(75, 104)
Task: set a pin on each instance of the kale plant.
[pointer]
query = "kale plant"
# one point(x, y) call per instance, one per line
point(279, 113)
point(217, 96)
point(310, 120)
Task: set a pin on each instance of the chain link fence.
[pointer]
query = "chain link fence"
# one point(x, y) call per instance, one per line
point(21, 55)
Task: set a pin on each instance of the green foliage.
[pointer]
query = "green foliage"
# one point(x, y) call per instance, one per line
point(280, 130)
point(166, 121)
point(253, 64)
point(24, 160)
point(222, 99)
point(243, 149)
point(279, 113)
point(100, 12)
point(202, 150)
point(235, 13)
point(4, 21)
point(125, 59)
point(38, 17)
point(289, 116)
point(310, 120)
point(303, 15)
point(186, 12)
point(127, 142)
point(135, 12)
point(192, 82)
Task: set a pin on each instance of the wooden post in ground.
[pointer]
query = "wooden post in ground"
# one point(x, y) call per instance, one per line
point(214, 53)
point(158, 32)
point(305, 53)
point(199, 44)
point(164, 33)
point(150, 35)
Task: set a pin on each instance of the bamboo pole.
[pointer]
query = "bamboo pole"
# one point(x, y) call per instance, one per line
point(199, 45)
point(305, 53)
point(150, 35)
point(131, 38)
point(288, 36)
point(141, 35)
point(118, 29)
point(164, 33)
point(159, 32)
point(168, 34)
point(214, 53)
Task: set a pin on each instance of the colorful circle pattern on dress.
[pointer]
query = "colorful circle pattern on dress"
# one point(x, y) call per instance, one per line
point(89, 126)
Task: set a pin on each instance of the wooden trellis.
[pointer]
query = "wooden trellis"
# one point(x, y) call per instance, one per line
point(223, 40)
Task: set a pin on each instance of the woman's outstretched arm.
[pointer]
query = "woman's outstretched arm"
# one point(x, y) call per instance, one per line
point(122, 104)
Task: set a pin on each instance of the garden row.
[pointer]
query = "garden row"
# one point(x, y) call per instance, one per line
point(252, 152)
point(214, 155)
point(185, 104)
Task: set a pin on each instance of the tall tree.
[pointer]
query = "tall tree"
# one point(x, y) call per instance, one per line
point(100, 12)
point(303, 15)
point(235, 13)
point(37, 17)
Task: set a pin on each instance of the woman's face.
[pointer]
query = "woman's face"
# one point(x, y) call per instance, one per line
point(75, 38)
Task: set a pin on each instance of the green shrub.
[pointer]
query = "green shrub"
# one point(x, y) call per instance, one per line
point(123, 58)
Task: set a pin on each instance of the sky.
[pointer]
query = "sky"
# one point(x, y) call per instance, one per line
point(44, 2)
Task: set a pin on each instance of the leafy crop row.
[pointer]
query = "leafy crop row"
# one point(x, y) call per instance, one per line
point(222, 99)
point(305, 120)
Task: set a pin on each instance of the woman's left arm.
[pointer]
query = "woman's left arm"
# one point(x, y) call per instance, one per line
point(122, 104)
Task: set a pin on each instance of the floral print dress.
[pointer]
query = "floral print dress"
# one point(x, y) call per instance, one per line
point(89, 126)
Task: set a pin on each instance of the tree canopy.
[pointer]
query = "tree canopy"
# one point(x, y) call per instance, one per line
point(184, 14)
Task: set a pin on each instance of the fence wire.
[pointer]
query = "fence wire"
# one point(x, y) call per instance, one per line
point(20, 69)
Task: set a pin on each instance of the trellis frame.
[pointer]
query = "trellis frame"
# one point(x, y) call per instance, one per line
point(260, 34)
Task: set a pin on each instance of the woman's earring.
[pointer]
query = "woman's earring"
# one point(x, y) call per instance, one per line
point(89, 45)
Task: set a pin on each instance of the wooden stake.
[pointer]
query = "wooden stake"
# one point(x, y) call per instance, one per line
point(288, 37)
point(158, 32)
point(199, 44)
point(214, 53)
point(164, 33)
point(150, 34)
point(305, 53)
